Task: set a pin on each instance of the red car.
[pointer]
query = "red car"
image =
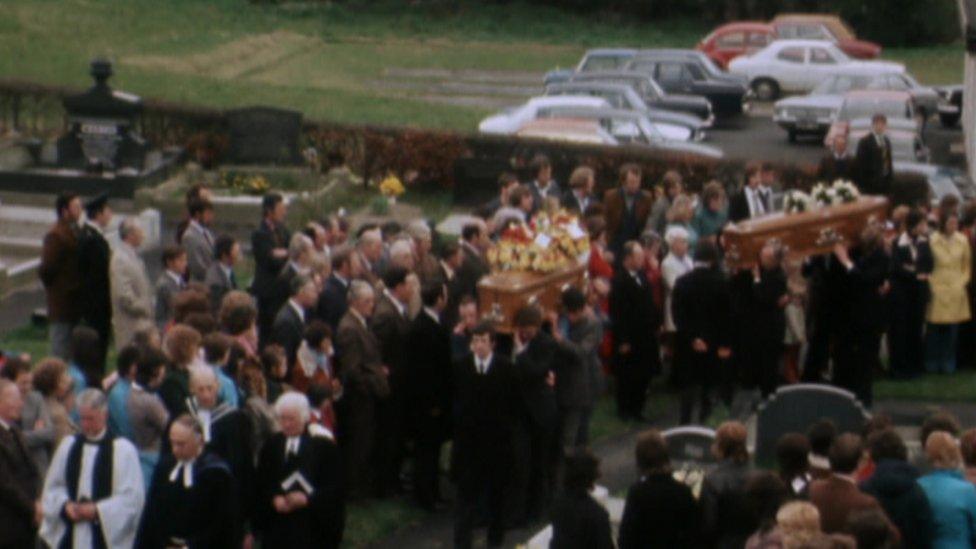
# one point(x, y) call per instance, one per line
point(734, 39)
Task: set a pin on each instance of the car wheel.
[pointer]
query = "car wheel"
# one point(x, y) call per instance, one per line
point(791, 136)
point(765, 89)
point(949, 120)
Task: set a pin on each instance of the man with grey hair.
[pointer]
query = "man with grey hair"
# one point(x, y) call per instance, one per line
point(132, 293)
point(365, 383)
point(19, 509)
point(299, 498)
point(369, 252)
point(93, 493)
point(301, 252)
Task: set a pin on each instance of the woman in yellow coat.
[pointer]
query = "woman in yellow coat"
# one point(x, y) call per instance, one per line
point(949, 303)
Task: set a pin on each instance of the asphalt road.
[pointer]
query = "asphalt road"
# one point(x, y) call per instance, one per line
point(755, 136)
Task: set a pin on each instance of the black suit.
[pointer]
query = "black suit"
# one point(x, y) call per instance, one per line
point(765, 325)
point(94, 255)
point(427, 388)
point(472, 269)
point(230, 438)
point(319, 525)
point(203, 515)
point(909, 297)
point(332, 302)
point(572, 203)
point(828, 307)
point(287, 331)
point(536, 444)
point(579, 522)
point(19, 489)
point(701, 306)
point(391, 329)
point(833, 167)
point(483, 419)
point(739, 205)
point(874, 165)
point(635, 322)
point(660, 512)
point(266, 269)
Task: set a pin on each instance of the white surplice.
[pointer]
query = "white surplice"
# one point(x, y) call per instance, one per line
point(118, 514)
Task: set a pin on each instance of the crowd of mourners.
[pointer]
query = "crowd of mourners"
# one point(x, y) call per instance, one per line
point(354, 362)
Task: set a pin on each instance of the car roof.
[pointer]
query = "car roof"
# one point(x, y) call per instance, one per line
point(598, 112)
point(892, 95)
point(749, 26)
point(610, 51)
point(597, 75)
point(801, 42)
point(615, 86)
point(566, 100)
point(834, 22)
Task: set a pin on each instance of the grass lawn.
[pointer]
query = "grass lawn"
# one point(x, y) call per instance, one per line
point(960, 386)
point(329, 60)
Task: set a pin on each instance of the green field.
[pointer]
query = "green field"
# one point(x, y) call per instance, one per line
point(331, 61)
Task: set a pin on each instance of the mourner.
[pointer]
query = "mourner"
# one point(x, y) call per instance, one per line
point(94, 255)
point(58, 272)
point(20, 509)
point(873, 164)
point(269, 244)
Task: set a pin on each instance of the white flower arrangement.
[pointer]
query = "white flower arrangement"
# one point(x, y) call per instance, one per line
point(797, 202)
point(839, 192)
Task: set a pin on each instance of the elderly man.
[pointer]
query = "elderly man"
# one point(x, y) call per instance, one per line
point(474, 244)
point(836, 164)
point(93, 493)
point(369, 252)
point(301, 251)
point(19, 510)
point(132, 294)
point(332, 303)
point(193, 499)
point(365, 383)
point(299, 483)
point(59, 273)
point(226, 431)
point(290, 322)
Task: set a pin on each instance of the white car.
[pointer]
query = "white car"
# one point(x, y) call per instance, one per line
point(797, 66)
point(508, 121)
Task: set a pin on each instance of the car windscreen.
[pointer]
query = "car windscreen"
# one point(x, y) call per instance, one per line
point(841, 83)
point(866, 108)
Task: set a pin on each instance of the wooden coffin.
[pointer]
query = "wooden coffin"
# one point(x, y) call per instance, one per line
point(502, 294)
point(804, 234)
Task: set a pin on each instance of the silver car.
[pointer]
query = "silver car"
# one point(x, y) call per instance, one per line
point(631, 127)
point(813, 113)
point(623, 96)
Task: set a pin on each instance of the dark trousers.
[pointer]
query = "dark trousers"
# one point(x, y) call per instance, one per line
point(767, 356)
point(633, 376)
point(905, 340)
point(480, 490)
point(703, 394)
point(426, 468)
point(357, 431)
point(534, 473)
point(857, 357)
point(390, 442)
point(818, 351)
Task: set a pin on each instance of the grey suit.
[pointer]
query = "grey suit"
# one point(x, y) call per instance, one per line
point(577, 389)
point(166, 289)
point(198, 242)
point(132, 299)
point(40, 441)
point(218, 283)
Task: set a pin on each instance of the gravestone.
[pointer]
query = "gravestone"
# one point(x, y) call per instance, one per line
point(792, 409)
point(102, 136)
point(264, 135)
point(690, 449)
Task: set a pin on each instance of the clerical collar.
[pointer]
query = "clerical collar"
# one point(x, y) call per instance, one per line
point(292, 445)
point(433, 314)
point(401, 308)
point(186, 467)
point(176, 278)
point(97, 438)
point(298, 309)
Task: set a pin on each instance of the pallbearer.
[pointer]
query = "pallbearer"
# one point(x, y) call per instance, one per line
point(93, 493)
point(300, 497)
point(192, 502)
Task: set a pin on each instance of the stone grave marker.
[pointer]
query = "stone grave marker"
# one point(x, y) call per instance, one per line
point(794, 407)
point(264, 135)
point(690, 449)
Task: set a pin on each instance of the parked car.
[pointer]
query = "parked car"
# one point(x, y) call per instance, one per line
point(652, 93)
point(511, 119)
point(734, 39)
point(630, 127)
point(797, 66)
point(926, 98)
point(567, 129)
point(822, 26)
point(623, 96)
point(897, 106)
point(600, 59)
point(690, 72)
point(950, 104)
point(906, 143)
point(942, 180)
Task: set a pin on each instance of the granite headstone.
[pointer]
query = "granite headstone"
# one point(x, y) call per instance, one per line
point(793, 408)
point(690, 449)
point(264, 135)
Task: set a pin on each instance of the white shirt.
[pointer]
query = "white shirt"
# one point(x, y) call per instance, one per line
point(482, 365)
point(447, 270)
point(433, 314)
point(358, 317)
point(754, 198)
point(298, 268)
point(298, 309)
point(204, 419)
point(401, 308)
point(292, 445)
point(342, 279)
point(228, 271)
point(176, 278)
point(186, 467)
point(95, 226)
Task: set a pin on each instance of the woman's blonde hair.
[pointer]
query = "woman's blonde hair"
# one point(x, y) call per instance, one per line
point(680, 210)
point(942, 451)
point(799, 521)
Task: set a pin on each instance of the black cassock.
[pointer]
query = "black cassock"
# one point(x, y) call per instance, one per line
point(230, 438)
point(203, 514)
point(321, 523)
